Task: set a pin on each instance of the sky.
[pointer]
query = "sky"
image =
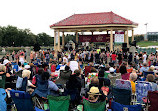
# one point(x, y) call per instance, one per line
point(38, 15)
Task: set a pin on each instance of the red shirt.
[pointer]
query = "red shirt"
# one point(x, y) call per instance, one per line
point(53, 68)
point(113, 56)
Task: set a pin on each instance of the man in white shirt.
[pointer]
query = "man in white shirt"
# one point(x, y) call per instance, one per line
point(144, 57)
point(65, 59)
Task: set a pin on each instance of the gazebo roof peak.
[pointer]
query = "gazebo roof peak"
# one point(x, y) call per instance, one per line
point(101, 18)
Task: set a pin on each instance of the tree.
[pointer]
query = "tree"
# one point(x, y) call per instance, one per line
point(12, 36)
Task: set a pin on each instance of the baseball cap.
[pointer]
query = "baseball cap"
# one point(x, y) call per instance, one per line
point(27, 67)
point(111, 69)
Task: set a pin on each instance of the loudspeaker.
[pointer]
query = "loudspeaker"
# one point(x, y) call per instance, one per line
point(124, 45)
point(125, 49)
point(133, 43)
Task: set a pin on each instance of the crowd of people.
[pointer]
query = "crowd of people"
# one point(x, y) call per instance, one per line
point(71, 71)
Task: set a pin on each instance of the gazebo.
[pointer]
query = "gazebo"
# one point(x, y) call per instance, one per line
point(93, 22)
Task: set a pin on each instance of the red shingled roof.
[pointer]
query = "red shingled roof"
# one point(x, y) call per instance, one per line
point(93, 19)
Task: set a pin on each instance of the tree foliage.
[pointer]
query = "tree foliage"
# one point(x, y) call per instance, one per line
point(12, 36)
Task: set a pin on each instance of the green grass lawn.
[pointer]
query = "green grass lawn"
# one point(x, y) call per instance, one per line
point(147, 43)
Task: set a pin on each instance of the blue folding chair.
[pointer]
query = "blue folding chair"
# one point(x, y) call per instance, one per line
point(142, 88)
point(146, 73)
point(3, 105)
point(120, 107)
point(22, 100)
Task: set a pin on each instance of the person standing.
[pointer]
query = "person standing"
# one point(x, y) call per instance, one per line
point(144, 57)
point(120, 58)
point(52, 56)
point(31, 56)
point(22, 58)
point(113, 57)
point(25, 54)
point(13, 55)
point(108, 57)
point(140, 57)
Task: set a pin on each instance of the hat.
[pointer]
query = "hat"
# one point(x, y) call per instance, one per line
point(6, 61)
point(27, 67)
point(94, 91)
point(111, 69)
point(152, 67)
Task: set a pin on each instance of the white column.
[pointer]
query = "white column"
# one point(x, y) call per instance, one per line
point(55, 48)
point(76, 37)
point(127, 41)
point(132, 35)
point(111, 40)
point(63, 40)
point(58, 40)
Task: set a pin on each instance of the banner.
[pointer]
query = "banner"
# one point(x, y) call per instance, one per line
point(85, 38)
point(94, 38)
point(119, 37)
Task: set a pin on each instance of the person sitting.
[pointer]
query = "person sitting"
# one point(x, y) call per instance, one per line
point(133, 78)
point(3, 72)
point(93, 95)
point(26, 73)
point(74, 65)
point(34, 79)
point(123, 71)
point(150, 78)
point(113, 76)
point(44, 86)
point(103, 89)
point(93, 71)
point(64, 76)
point(73, 87)
point(145, 68)
point(53, 66)
point(94, 82)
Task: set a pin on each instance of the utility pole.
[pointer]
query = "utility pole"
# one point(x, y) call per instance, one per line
point(145, 37)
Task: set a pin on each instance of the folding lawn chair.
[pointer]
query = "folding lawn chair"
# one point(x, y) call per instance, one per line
point(40, 93)
point(87, 70)
point(87, 106)
point(146, 73)
point(142, 88)
point(123, 84)
point(58, 103)
point(153, 99)
point(22, 100)
point(122, 96)
point(113, 78)
point(3, 105)
point(2, 80)
point(64, 76)
point(120, 107)
point(106, 74)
